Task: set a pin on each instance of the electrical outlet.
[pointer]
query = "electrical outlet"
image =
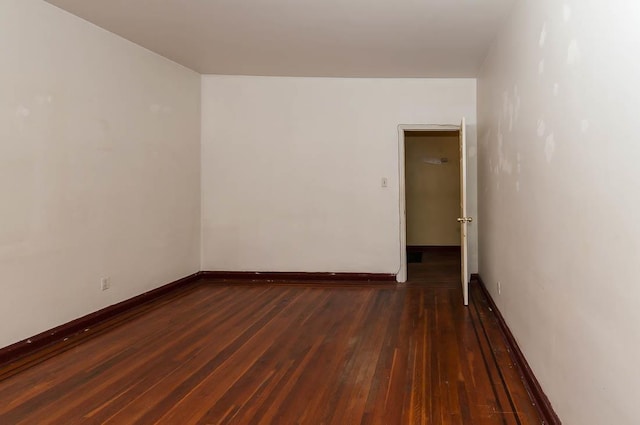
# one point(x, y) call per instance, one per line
point(105, 283)
point(499, 285)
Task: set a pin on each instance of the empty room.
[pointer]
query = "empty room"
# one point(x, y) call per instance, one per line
point(319, 212)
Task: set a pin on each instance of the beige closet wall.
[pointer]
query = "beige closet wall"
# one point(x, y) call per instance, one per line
point(433, 191)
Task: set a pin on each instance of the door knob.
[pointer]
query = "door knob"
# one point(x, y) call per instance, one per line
point(465, 219)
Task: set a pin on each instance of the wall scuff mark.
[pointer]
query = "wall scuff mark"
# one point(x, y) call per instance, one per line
point(573, 52)
point(549, 147)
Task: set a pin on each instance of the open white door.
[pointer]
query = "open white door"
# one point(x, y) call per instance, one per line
point(464, 220)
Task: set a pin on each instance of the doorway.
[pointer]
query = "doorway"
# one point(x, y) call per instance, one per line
point(433, 196)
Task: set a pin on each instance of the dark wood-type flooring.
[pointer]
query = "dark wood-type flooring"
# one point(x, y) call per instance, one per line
point(267, 353)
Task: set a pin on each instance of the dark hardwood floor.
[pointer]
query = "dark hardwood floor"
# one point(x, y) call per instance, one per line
point(268, 353)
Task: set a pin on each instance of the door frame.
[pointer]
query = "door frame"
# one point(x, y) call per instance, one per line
point(401, 276)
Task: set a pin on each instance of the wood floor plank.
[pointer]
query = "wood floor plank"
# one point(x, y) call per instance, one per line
point(253, 354)
point(148, 347)
point(142, 373)
point(275, 353)
point(177, 385)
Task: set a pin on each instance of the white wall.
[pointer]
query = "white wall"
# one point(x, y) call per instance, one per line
point(292, 168)
point(99, 169)
point(559, 178)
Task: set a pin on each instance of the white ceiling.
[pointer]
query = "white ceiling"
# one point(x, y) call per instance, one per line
point(329, 38)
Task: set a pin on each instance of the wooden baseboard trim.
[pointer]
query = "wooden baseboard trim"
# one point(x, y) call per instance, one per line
point(531, 382)
point(433, 248)
point(68, 330)
point(299, 276)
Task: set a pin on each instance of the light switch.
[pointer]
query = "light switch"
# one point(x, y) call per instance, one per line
point(384, 182)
